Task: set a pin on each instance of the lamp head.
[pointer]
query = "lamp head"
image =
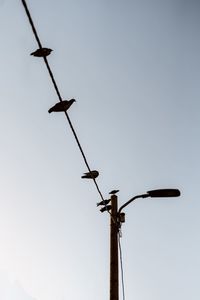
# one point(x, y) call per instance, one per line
point(164, 193)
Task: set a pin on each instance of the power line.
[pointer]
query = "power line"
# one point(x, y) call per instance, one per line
point(59, 95)
point(121, 265)
point(72, 128)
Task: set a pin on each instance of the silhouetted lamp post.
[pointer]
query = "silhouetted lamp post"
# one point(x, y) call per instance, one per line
point(118, 217)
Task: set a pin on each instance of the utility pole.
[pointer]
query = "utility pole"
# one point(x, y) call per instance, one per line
point(117, 217)
point(114, 280)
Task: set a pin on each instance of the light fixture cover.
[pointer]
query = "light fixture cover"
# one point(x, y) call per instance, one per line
point(164, 193)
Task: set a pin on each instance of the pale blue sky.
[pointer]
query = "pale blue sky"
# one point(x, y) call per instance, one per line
point(133, 67)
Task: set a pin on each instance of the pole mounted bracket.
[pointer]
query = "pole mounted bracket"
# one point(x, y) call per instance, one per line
point(121, 217)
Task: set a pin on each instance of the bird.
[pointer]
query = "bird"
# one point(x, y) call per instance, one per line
point(91, 175)
point(42, 52)
point(62, 106)
point(104, 202)
point(106, 208)
point(113, 192)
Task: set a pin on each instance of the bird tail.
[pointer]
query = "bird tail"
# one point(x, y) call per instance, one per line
point(50, 110)
point(84, 176)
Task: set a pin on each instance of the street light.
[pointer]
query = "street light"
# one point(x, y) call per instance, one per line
point(118, 217)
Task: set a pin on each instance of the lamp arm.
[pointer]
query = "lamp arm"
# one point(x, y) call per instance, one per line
point(131, 200)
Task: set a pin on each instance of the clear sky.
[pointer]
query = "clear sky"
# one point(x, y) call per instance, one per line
point(134, 69)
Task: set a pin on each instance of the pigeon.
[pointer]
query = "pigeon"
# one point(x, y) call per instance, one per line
point(106, 208)
point(41, 52)
point(91, 175)
point(105, 202)
point(62, 106)
point(113, 192)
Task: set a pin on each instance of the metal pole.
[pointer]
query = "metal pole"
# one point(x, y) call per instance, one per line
point(114, 281)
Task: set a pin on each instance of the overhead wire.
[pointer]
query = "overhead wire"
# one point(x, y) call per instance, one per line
point(59, 97)
point(121, 265)
point(72, 128)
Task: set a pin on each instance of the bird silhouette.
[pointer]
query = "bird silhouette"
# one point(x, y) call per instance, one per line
point(91, 175)
point(41, 52)
point(106, 208)
point(62, 106)
point(113, 192)
point(105, 202)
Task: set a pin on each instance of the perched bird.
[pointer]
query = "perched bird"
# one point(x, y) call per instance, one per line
point(106, 208)
point(41, 52)
point(62, 106)
point(105, 202)
point(113, 192)
point(91, 175)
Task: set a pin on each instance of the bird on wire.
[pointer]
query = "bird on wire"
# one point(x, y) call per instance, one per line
point(62, 106)
point(91, 175)
point(113, 192)
point(105, 202)
point(106, 208)
point(42, 52)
